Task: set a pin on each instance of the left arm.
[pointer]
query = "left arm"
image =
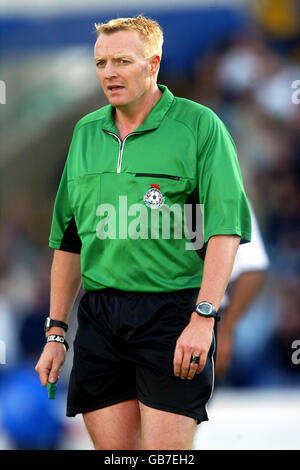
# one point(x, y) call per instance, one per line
point(196, 338)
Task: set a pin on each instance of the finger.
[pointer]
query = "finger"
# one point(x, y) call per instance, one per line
point(193, 367)
point(54, 373)
point(178, 356)
point(44, 374)
point(185, 363)
point(202, 361)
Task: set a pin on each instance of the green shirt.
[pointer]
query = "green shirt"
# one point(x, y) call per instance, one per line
point(127, 206)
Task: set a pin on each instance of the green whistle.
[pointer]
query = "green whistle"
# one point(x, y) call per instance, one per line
point(51, 390)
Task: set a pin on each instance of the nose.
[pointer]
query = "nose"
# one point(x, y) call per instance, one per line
point(110, 70)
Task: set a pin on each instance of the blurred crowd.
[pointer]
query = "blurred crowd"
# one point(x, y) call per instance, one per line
point(251, 83)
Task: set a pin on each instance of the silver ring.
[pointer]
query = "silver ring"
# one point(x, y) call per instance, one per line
point(194, 360)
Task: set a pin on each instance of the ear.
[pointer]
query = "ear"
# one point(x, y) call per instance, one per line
point(154, 64)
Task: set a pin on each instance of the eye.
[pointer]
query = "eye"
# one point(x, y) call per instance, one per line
point(124, 61)
point(100, 63)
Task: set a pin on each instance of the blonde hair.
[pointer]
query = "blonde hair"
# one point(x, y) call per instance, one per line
point(149, 30)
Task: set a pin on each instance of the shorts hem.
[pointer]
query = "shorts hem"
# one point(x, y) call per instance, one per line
point(198, 416)
point(96, 405)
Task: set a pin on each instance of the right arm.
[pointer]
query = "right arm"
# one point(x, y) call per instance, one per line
point(65, 285)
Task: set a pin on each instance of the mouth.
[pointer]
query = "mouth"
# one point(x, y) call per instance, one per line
point(114, 88)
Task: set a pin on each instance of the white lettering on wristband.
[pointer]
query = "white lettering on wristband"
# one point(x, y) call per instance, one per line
point(59, 339)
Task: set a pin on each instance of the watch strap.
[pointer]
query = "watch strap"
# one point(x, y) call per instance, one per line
point(51, 322)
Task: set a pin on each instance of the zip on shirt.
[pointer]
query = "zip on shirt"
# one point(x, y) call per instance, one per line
point(122, 142)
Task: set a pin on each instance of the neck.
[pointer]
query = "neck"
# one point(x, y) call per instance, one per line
point(129, 118)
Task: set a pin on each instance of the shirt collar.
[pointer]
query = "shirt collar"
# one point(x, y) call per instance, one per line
point(153, 119)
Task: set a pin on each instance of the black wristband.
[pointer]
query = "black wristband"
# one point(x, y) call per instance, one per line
point(57, 339)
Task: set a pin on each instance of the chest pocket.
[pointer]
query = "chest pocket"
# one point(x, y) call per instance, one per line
point(172, 188)
point(158, 175)
point(84, 194)
point(165, 196)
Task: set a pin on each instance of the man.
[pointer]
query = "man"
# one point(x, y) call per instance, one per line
point(143, 356)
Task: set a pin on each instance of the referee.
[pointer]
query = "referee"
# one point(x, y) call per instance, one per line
point(143, 367)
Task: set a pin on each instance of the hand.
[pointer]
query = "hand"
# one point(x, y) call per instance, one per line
point(50, 362)
point(195, 340)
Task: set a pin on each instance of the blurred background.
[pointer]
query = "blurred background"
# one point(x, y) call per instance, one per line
point(242, 59)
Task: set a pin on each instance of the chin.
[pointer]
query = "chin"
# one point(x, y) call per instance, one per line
point(118, 103)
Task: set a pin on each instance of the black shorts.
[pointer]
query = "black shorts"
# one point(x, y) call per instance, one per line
point(124, 349)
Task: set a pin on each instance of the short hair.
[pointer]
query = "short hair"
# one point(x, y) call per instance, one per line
point(149, 30)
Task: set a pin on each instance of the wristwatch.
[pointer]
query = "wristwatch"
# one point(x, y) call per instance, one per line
point(206, 309)
point(50, 322)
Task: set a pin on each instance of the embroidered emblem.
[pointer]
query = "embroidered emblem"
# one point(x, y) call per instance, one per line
point(153, 197)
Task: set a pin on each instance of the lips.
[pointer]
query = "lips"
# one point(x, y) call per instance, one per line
point(113, 88)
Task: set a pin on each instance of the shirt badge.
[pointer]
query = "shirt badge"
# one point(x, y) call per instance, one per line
point(153, 197)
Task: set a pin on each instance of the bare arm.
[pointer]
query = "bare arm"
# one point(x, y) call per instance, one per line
point(65, 285)
point(197, 336)
point(245, 289)
point(218, 264)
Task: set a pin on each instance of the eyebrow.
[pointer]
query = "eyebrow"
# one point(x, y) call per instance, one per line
point(118, 56)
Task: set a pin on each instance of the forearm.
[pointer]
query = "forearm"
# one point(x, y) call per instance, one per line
point(218, 264)
point(246, 288)
point(65, 284)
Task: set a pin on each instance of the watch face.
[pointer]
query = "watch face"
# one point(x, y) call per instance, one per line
point(47, 323)
point(205, 308)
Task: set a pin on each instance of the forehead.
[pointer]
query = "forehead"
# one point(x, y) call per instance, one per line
point(120, 43)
